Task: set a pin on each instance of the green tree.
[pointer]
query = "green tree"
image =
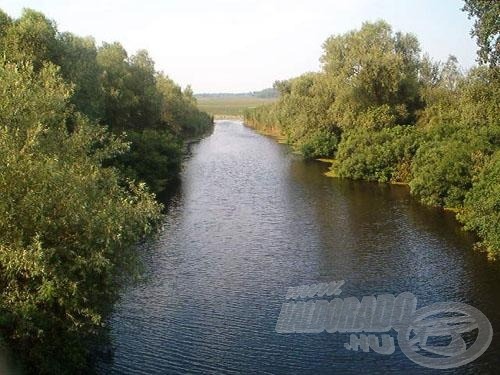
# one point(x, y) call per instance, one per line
point(155, 157)
point(67, 224)
point(146, 109)
point(118, 98)
point(374, 74)
point(387, 114)
point(69, 219)
point(31, 38)
point(442, 172)
point(179, 111)
point(5, 23)
point(486, 28)
point(78, 61)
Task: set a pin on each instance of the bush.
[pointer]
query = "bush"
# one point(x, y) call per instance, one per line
point(481, 211)
point(321, 143)
point(442, 173)
point(375, 155)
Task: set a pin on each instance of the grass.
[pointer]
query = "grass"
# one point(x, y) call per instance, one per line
point(230, 106)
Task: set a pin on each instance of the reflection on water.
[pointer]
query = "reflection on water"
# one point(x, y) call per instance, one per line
point(251, 219)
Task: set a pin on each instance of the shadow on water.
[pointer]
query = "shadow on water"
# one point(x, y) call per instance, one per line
point(166, 196)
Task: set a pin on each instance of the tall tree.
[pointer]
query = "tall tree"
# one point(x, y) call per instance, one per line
point(118, 98)
point(146, 110)
point(486, 28)
point(374, 75)
point(32, 38)
point(78, 61)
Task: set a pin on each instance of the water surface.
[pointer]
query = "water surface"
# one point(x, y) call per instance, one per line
point(251, 219)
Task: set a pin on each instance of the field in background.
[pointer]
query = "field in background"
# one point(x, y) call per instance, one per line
point(230, 106)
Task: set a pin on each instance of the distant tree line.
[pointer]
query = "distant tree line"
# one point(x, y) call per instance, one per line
point(385, 112)
point(270, 92)
point(87, 135)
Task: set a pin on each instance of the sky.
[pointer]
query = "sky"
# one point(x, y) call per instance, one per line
point(245, 45)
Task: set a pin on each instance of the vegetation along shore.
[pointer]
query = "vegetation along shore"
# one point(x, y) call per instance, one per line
point(383, 111)
point(88, 136)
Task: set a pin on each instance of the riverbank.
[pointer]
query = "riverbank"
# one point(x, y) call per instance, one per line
point(272, 132)
point(440, 134)
point(462, 213)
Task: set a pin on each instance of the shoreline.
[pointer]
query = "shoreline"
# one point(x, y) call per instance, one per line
point(333, 174)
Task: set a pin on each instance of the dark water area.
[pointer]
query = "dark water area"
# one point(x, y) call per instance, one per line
point(251, 219)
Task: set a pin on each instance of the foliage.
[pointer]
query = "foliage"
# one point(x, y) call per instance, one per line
point(486, 28)
point(122, 92)
point(442, 172)
point(460, 127)
point(67, 225)
point(369, 80)
point(376, 155)
point(481, 210)
point(322, 142)
point(179, 109)
point(31, 38)
point(78, 61)
point(154, 157)
point(373, 73)
point(387, 113)
point(264, 118)
point(69, 219)
point(301, 115)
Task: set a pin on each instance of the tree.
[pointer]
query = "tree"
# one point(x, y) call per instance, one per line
point(5, 23)
point(30, 38)
point(179, 111)
point(78, 61)
point(382, 155)
point(118, 98)
point(154, 157)
point(374, 74)
point(459, 129)
point(442, 172)
point(387, 114)
point(486, 28)
point(69, 219)
point(67, 224)
point(146, 109)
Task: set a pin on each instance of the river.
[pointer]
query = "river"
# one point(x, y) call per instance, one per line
point(249, 220)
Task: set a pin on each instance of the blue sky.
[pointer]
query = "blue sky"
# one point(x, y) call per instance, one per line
point(245, 45)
